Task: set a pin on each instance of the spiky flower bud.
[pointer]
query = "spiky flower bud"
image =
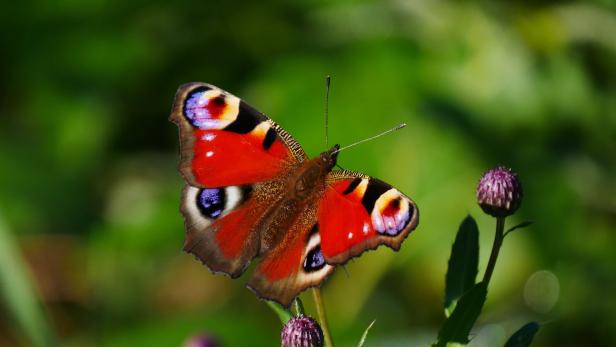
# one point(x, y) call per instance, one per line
point(301, 331)
point(499, 192)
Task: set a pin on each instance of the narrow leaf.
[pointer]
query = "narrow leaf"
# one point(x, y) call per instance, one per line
point(283, 314)
point(365, 334)
point(462, 267)
point(524, 336)
point(458, 326)
point(519, 226)
point(18, 294)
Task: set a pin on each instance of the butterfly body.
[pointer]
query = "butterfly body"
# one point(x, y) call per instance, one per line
point(252, 192)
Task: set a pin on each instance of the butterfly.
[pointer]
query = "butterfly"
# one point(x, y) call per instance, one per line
point(252, 192)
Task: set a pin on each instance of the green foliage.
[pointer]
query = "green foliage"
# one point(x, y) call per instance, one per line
point(518, 226)
point(459, 324)
point(18, 295)
point(462, 267)
point(524, 336)
point(89, 188)
point(365, 334)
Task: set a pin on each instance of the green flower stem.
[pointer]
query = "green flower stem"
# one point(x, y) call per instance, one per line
point(299, 306)
point(283, 315)
point(318, 302)
point(498, 242)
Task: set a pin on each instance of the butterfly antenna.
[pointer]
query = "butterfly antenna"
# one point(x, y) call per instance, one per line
point(327, 84)
point(397, 127)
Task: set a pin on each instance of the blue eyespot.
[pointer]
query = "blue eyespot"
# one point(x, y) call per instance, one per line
point(314, 260)
point(211, 202)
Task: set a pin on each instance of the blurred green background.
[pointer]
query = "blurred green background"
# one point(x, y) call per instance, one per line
point(89, 192)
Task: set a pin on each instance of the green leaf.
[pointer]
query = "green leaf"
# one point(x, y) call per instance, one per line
point(283, 314)
point(18, 295)
point(365, 334)
point(462, 267)
point(524, 336)
point(519, 226)
point(458, 326)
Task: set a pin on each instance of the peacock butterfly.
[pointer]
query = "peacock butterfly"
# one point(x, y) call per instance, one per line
point(251, 191)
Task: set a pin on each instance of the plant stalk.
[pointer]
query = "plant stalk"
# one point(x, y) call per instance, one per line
point(496, 246)
point(318, 302)
point(283, 315)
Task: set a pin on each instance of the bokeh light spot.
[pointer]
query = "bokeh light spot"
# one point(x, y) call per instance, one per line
point(541, 291)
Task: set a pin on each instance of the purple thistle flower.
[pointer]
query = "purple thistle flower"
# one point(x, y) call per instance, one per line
point(201, 340)
point(301, 331)
point(499, 192)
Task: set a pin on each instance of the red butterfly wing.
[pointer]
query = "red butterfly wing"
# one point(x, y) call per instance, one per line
point(238, 164)
point(212, 217)
point(293, 264)
point(358, 213)
point(233, 159)
point(226, 142)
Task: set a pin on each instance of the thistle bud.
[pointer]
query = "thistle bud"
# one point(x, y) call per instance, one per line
point(499, 192)
point(201, 340)
point(301, 331)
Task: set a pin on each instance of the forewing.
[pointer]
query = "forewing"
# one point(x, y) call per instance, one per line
point(226, 142)
point(358, 213)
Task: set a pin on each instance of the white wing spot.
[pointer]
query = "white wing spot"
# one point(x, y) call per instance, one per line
point(366, 228)
point(208, 137)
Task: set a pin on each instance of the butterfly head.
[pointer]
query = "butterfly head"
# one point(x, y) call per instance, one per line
point(329, 157)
